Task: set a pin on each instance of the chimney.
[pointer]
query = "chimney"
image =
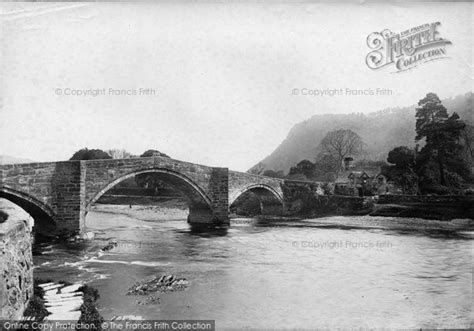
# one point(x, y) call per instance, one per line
point(348, 162)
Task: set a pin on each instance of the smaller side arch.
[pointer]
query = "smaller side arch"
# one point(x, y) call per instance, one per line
point(235, 195)
point(25, 201)
point(42, 214)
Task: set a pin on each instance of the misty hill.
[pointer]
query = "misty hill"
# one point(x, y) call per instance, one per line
point(7, 159)
point(381, 131)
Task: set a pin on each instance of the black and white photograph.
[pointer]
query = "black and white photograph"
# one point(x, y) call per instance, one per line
point(236, 165)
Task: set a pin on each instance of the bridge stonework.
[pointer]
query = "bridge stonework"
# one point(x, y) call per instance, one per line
point(59, 194)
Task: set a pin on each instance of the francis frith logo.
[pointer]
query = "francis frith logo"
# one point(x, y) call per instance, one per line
point(407, 49)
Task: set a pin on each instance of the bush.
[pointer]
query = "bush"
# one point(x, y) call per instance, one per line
point(328, 188)
point(3, 216)
point(89, 313)
point(90, 154)
point(36, 307)
point(436, 189)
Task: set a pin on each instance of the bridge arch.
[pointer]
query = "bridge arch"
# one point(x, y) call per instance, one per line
point(199, 203)
point(42, 214)
point(235, 195)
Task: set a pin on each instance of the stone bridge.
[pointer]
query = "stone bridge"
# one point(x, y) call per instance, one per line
point(58, 195)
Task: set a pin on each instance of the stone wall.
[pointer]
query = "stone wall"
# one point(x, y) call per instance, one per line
point(16, 262)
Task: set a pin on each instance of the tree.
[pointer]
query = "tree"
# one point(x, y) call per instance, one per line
point(90, 154)
point(325, 168)
point(150, 180)
point(338, 144)
point(119, 153)
point(305, 168)
point(442, 135)
point(402, 157)
point(153, 153)
point(402, 171)
point(467, 141)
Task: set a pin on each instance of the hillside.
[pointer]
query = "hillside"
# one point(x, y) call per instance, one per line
point(381, 131)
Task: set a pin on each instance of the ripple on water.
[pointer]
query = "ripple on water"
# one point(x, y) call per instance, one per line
point(277, 273)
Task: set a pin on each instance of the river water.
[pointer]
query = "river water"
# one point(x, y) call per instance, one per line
point(263, 273)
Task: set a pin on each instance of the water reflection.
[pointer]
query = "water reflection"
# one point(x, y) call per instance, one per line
point(208, 231)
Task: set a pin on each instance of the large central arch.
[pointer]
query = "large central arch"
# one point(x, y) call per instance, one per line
point(200, 206)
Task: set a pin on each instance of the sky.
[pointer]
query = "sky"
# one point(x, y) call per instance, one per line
point(209, 83)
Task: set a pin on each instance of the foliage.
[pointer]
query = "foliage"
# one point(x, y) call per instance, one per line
point(467, 142)
point(248, 204)
point(305, 168)
point(402, 157)
point(153, 153)
point(366, 164)
point(154, 183)
point(36, 307)
point(297, 176)
point(90, 154)
point(324, 169)
point(3, 216)
point(339, 144)
point(89, 312)
point(335, 147)
point(150, 180)
point(441, 161)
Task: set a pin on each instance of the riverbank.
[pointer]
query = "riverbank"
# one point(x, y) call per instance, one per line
point(444, 208)
point(394, 223)
point(168, 210)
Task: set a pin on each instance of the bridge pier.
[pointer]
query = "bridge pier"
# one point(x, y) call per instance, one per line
point(218, 211)
point(69, 198)
point(219, 185)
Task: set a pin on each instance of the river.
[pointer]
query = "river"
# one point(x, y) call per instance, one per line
point(264, 273)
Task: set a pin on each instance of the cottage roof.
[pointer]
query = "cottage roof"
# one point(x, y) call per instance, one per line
point(346, 176)
point(343, 177)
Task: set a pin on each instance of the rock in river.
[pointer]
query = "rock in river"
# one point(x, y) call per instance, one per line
point(164, 283)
